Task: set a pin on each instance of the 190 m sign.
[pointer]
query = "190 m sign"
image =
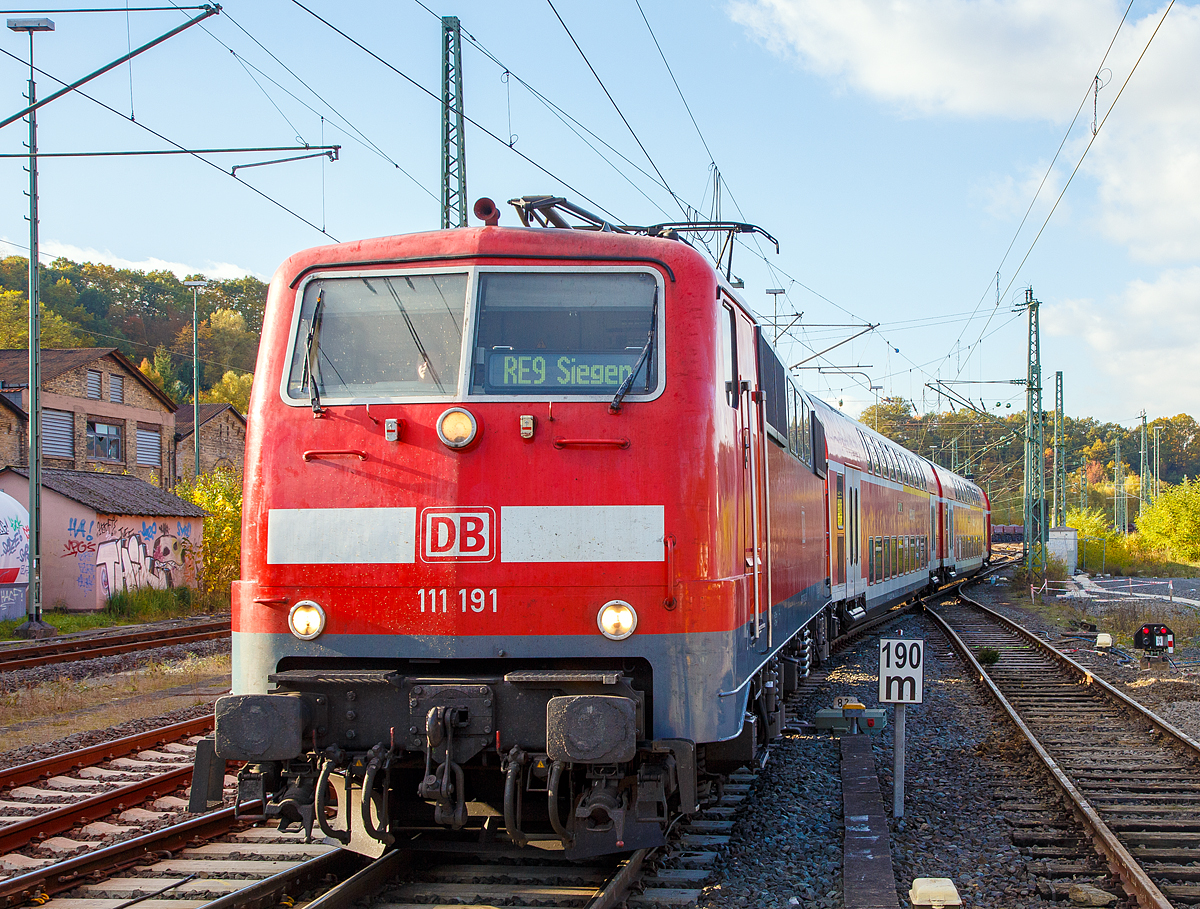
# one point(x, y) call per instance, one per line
point(901, 670)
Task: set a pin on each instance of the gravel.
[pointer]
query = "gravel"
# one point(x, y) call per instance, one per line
point(962, 758)
point(109, 665)
point(79, 740)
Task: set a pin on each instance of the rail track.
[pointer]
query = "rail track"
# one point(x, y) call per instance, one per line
point(244, 866)
point(109, 643)
point(1130, 779)
point(59, 849)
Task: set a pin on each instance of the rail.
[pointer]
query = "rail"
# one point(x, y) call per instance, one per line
point(1133, 877)
point(27, 656)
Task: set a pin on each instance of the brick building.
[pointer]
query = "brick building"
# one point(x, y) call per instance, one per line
point(222, 440)
point(14, 431)
point(99, 412)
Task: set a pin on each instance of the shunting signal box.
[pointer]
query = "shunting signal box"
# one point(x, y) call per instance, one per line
point(1154, 638)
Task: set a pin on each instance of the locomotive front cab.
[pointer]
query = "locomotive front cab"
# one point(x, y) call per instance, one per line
point(450, 607)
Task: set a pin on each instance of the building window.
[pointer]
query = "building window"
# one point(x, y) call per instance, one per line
point(116, 389)
point(104, 441)
point(93, 384)
point(149, 448)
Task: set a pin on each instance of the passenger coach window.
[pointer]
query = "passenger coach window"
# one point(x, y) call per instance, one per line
point(379, 336)
point(565, 334)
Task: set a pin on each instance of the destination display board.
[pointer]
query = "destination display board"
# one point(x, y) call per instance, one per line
point(566, 372)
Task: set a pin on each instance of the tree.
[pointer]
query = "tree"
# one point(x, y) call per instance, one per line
point(162, 373)
point(14, 325)
point(1172, 521)
point(232, 389)
point(219, 493)
point(224, 342)
point(891, 417)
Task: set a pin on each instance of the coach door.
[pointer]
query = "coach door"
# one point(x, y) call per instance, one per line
point(838, 518)
point(752, 513)
point(854, 579)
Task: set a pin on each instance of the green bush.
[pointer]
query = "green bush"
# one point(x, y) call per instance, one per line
point(1172, 521)
point(218, 492)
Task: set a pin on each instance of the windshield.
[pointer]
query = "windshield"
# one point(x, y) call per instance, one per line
point(385, 336)
point(565, 334)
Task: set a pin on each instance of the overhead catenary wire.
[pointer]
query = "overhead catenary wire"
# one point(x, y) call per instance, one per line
point(675, 81)
point(159, 135)
point(1091, 142)
point(97, 9)
point(352, 131)
point(1041, 185)
point(439, 100)
point(570, 122)
point(617, 108)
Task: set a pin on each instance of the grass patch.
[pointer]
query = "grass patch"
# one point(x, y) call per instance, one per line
point(134, 607)
point(987, 656)
point(41, 712)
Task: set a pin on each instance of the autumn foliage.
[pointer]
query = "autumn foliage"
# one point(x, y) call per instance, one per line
point(219, 493)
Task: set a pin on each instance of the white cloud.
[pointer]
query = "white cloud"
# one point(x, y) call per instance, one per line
point(1029, 60)
point(1014, 58)
point(1007, 196)
point(216, 270)
point(1147, 340)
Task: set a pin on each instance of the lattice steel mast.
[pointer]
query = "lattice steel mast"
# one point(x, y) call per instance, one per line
point(1144, 478)
point(454, 150)
point(1059, 507)
point(1035, 448)
point(1120, 506)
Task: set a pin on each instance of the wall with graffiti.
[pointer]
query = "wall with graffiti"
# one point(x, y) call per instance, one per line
point(114, 553)
point(87, 557)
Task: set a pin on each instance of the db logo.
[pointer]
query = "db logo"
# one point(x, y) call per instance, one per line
point(464, 534)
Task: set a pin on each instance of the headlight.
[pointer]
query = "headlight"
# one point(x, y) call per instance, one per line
point(457, 427)
point(616, 620)
point(307, 620)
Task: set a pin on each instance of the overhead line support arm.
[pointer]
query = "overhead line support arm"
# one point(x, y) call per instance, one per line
point(209, 11)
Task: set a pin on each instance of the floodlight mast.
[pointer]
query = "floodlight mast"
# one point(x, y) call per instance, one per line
point(33, 626)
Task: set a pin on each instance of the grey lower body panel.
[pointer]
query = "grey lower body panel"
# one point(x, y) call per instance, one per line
point(690, 671)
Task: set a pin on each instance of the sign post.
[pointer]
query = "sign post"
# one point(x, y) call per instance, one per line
point(901, 682)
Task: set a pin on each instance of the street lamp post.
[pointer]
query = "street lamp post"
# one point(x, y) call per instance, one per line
point(195, 286)
point(34, 627)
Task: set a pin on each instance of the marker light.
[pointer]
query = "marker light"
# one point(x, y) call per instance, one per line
point(307, 620)
point(457, 427)
point(616, 620)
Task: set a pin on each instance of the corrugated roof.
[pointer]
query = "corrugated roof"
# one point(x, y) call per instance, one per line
point(113, 493)
point(14, 366)
point(183, 417)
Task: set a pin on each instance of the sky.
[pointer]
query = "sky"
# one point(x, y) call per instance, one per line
point(922, 164)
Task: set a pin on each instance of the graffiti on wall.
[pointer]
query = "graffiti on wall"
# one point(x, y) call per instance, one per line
point(119, 555)
point(14, 551)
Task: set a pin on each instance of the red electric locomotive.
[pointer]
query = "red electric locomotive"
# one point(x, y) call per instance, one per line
point(538, 532)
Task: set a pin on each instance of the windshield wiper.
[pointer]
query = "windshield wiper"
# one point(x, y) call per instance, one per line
point(412, 330)
point(310, 357)
point(615, 406)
